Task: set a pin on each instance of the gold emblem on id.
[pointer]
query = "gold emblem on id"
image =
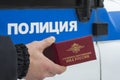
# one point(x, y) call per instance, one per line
point(75, 48)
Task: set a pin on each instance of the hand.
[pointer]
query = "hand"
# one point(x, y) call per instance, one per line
point(40, 66)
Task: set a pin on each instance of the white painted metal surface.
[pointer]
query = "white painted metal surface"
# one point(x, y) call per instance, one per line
point(110, 57)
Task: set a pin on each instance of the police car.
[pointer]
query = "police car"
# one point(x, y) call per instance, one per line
point(26, 25)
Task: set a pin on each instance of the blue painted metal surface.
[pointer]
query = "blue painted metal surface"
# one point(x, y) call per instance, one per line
point(52, 15)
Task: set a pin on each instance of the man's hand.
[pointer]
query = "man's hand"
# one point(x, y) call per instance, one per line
point(40, 66)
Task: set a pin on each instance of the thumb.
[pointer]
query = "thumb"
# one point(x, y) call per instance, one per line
point(47, 42)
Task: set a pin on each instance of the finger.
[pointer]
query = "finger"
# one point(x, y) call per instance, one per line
point(51, 74)
point(48, 74)
point(54, 68)
point(47, 42)
point(57, 69)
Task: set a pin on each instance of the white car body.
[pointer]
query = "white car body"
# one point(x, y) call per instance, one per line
point(107, 65)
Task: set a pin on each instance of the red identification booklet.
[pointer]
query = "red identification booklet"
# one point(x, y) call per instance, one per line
point(72, 51)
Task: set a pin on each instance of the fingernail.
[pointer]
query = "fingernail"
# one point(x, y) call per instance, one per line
point(52, 38)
